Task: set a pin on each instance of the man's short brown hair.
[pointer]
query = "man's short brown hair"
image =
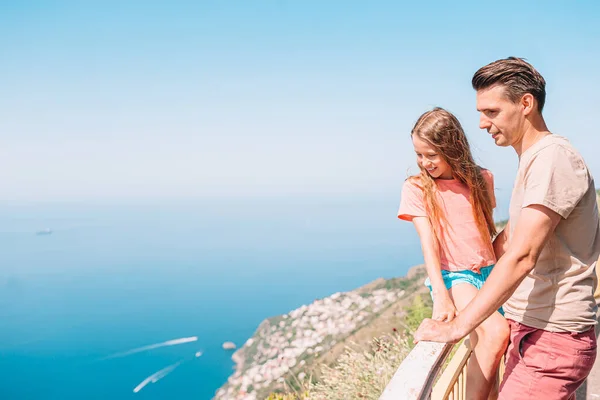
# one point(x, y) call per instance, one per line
point(516, 75)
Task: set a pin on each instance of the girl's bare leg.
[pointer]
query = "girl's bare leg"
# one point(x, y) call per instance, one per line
point(489, 341)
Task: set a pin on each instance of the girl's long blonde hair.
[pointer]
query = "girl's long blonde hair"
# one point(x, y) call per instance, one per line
point(442, 130)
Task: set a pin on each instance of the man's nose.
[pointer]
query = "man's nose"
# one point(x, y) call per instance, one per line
point(484, 123)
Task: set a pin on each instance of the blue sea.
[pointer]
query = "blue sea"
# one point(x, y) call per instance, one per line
point(112, 278)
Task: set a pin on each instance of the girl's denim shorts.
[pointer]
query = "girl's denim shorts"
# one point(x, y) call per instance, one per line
point(452, 278)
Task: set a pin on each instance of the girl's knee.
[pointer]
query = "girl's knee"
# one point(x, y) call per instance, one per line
point(503, 333)
point(495, 332)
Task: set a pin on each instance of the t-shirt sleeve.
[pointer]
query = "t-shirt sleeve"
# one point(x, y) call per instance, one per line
point(411, 202)
point(556, 178)
point(489, 180)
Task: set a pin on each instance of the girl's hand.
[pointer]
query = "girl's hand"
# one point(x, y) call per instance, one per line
point(443, 307)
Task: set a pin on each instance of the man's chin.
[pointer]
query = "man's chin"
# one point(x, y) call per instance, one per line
point(499, 141)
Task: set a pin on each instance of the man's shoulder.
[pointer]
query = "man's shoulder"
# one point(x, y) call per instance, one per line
point(555, 149)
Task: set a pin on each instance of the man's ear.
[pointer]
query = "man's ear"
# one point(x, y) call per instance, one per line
point(527, 103)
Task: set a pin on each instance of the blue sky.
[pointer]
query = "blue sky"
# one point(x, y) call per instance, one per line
point(156, 100)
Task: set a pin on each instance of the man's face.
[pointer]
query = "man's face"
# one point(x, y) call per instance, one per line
point(502, 118)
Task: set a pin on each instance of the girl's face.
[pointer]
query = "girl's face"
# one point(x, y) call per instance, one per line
point(431, 160)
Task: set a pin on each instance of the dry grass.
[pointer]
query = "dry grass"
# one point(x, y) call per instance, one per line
point(361, 373)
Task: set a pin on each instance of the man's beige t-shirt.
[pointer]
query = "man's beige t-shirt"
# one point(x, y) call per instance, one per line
point(558, 295)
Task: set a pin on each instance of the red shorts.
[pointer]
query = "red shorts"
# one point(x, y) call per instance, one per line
point(546, 365)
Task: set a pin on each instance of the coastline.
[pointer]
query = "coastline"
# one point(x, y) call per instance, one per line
point(289, 348)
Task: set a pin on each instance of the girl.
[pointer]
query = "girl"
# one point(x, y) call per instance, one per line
point(450, 202)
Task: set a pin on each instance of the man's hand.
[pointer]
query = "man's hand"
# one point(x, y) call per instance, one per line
point(437, 331)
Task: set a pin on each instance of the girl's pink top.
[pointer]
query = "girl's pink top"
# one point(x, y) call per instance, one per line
point(461, 247)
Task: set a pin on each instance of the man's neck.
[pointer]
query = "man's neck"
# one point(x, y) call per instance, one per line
point(534, 132)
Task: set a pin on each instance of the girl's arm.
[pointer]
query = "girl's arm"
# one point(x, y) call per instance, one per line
point(501, 242)
point(443, 307)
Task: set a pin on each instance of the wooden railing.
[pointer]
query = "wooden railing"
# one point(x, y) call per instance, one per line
point(452, 383)
point(422, 375)
point(416, 376)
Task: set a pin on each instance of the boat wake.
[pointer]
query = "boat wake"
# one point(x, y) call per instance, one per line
point(155, 377)
point(173, 342)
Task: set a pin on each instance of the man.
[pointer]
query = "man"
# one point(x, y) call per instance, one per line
point(545, 276)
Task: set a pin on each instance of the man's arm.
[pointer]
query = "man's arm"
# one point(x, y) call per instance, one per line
point(536, 224)
point(501, 242)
